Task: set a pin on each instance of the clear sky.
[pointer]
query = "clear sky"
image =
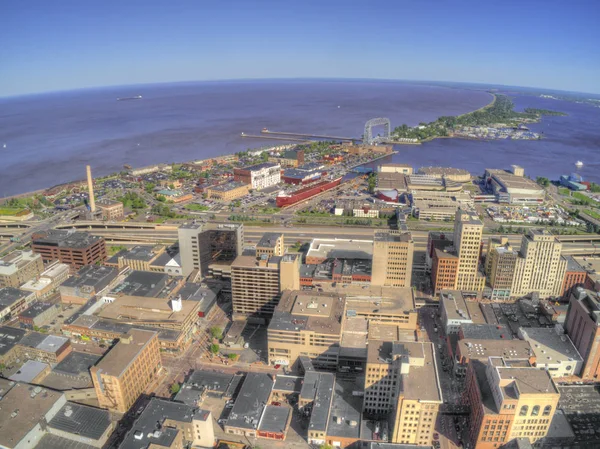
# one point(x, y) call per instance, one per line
point(48, 45)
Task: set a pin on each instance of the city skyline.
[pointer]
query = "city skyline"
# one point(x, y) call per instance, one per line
point(72, 46)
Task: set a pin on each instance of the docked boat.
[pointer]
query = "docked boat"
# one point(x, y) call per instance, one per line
point(285, 199)
point(578, 164)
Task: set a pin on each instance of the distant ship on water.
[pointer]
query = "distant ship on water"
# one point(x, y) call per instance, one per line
point(578, 164)
point(137, 97)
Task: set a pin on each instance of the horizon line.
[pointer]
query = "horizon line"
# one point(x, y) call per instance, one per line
point(224, 80)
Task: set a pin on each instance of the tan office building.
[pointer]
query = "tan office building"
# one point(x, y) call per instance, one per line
point(401, 384)
point(289, 272)
point(126, 370)
point(392, 259)
point(309, 324)
point(539, 267)
point(502, 261)
point(110, 209)
point(271, 244)
point(19, 267)
point(468, 230)
point(508, 400)
point(255, 286)
point(229, 191)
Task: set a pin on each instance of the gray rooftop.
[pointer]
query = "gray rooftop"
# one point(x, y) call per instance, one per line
point(28, 371)
point(37, 308)
point(142, 283)
point(139, 252)
point(50, 441)
point(289, 384)
point(77, 363)
point(82, 420)
point(269, 240)
point(226, 187)
point(9, 338)
point(10, 295)
point(321, 406)
point(486, 331)
point(68, 239)
point(275, 419)
point(251, 401)
point(148, 428)
point(94, 276)
point(346, 409)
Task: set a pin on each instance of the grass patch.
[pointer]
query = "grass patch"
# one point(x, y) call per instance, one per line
point(584, 199)
point(198, 207)
point(592, 214)
point(12, 211)
point(564, 191)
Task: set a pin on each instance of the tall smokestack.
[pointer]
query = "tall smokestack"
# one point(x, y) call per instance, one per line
point(91, 189)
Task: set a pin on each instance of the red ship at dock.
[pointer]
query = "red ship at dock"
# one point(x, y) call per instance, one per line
point(287, 199)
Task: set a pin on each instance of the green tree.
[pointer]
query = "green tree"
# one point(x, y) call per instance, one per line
point(372, 182)
point(232, 356)
point(544, 182)
point(325, 446)
point(161, 198)
point(214, 348)
point(216, 332)
point(175, 387)
point(149, 187)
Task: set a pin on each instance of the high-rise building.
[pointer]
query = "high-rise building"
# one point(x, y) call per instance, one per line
point(401, 384)
point(255, 285)
point(19, 267)
point(575, 276)
point(500, 268)
point(444, 269)
point(508, 400)
point(468, 230)
point(539, 267)
point(289, 272)
point(392, 259)
point(201, 244)
point(71, 247)
point(493, 242)
point(126, 370)
point(583, 327)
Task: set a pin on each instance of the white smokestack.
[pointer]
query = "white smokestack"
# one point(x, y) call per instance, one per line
point(91, 189)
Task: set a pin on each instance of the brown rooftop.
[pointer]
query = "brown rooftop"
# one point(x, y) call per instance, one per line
point(140, 308)
point(124, 352)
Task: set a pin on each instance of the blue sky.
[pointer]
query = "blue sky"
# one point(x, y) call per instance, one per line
point(63, 44)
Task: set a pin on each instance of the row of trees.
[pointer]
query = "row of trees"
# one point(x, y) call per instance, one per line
point(132, 200)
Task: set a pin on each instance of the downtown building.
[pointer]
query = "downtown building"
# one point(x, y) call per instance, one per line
point(126, 370)
point(402, 386)
point(201, 244)
point(392, 259)
point(507, 400)
point(19, 267)
point(583, 327)
point(539, 266)
point(70, 247)
point(259, 176)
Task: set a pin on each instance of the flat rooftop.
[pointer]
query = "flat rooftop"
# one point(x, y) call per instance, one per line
point(390, 332)
point(9, 338)
point(144, 253)
point(482, 349)
point(261, 166)
point(251, 401)
point(67, 239)
point(226, 187)
point(512, 181)
point(118, 358)
point(455, 305)
point(51, 441)
point(77, 363)
point(253, 262)
point(528, 380)
point(147, 310)
point(347, 409)
point(581, 406)
point(549, 346)
point(323, 386)
point(148, 431)
point(486, 331)
point(29, 371)
point(314, 312)
point(142, 283)
point(340, 249)
point(37, 308)
point(14, 261)
point(269, 240)
point(275, 419)
point(432, 171)
point(78, 419)
point(420, 381)
point(288, 384)
point(22, 408)
point(43, 342)
point(10, 295)
point(378, 300)
point(92, 276)
point(392, 236)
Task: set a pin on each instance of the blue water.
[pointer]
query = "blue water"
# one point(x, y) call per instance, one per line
point(50, 138)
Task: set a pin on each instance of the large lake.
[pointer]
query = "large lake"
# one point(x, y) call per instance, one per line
point(50, 138)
